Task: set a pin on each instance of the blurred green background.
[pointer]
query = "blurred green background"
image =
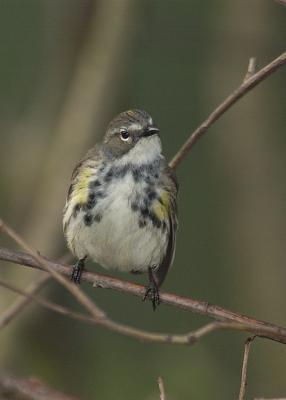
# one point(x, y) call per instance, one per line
point(67, 67)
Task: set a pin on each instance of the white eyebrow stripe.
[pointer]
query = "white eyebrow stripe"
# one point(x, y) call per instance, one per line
point(135, 127)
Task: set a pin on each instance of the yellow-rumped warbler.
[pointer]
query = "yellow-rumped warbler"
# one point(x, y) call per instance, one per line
point(121, 206)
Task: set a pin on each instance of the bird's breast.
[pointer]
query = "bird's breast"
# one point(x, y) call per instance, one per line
point(123, 225)
point(130, 233)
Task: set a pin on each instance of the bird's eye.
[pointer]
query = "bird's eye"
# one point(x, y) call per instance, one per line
point(124, 135)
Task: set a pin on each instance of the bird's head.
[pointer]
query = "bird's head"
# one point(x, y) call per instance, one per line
point(132, 136)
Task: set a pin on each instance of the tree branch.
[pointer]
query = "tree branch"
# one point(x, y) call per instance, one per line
point(161, 389)
point(241, 91)
point(153, 337)
point(251, 69)
point(29, 389)
point(20, 303)
point(243, 383)
point(81, 297)
point(219, 314)
point(165, 338)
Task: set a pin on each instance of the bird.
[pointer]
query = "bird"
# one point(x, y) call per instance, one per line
point(121, 206)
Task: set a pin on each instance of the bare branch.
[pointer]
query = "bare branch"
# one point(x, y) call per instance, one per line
point(240, 322)
point(164, 338)
point(29, 389)
point(241, 91)
point(244, 368)
point(161, 389)
point(251, 69)
point(20, 303)
point(82, 298)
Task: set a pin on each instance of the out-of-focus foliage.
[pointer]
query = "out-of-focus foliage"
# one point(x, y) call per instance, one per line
point(177, 60)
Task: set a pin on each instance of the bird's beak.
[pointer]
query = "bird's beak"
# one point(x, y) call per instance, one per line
point(151, 130)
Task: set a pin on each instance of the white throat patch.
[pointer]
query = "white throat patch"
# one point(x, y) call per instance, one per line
point(144, 152)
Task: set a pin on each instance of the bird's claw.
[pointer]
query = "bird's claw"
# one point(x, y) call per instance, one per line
point(153, 295)
point(152, 292)
point(77, 271)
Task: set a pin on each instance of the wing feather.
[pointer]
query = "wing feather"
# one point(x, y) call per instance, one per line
point(81, 176)
point(171, 186)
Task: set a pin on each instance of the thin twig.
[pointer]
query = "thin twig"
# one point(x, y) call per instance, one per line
point(81, 297)
point(251, 69)
point(29, 389)
point(243, 383)
point(242, 322)
point(185, 339)
point(161, 389)
point(165, 338)
point(21, 302)
point(241, 91)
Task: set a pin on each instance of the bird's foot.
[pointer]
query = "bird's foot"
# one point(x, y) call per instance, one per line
point(152, 291)
point(77, 270)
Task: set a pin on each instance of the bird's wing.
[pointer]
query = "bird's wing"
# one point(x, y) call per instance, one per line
point(83, 173)
point(171, 186)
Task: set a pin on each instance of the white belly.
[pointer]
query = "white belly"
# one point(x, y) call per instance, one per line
point(117, 241)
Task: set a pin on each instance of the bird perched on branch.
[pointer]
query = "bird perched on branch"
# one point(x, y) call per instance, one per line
point(121, 208)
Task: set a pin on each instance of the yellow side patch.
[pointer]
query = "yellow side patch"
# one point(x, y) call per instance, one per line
point(79, 194)
point(161, 206)
point(81, 187)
